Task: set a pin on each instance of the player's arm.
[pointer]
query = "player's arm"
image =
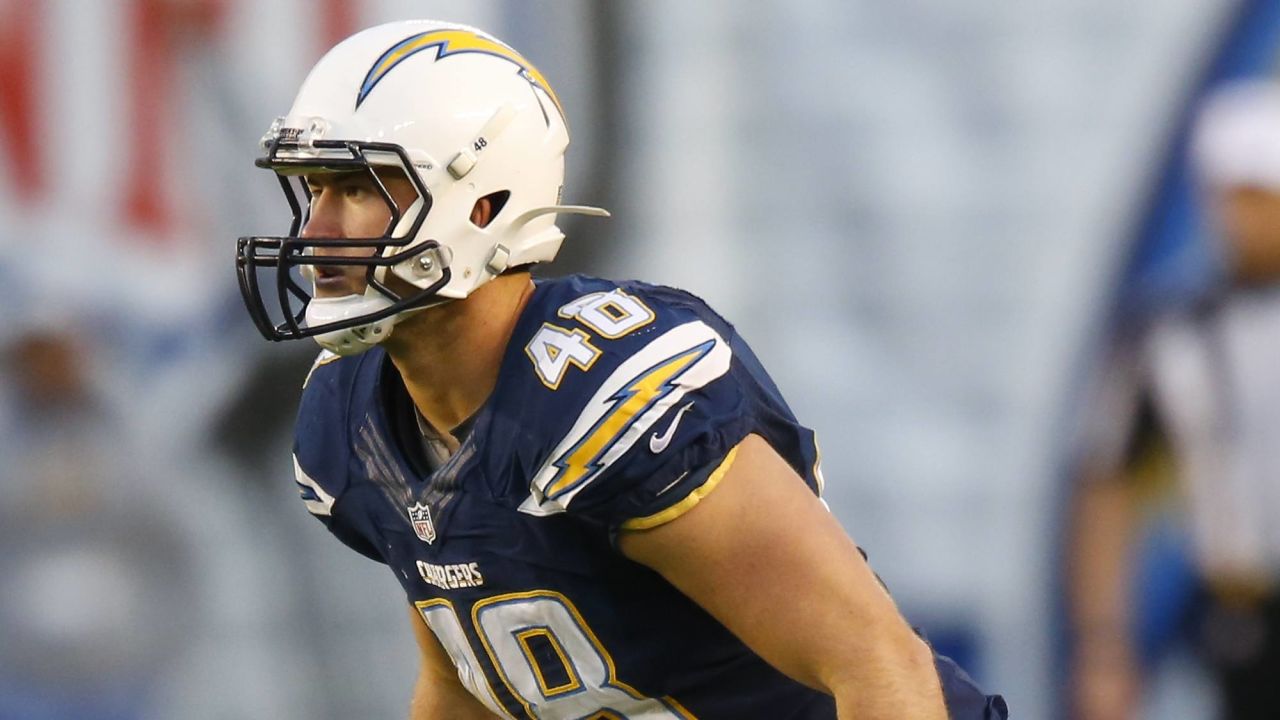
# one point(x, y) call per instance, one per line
point(1121, 428)
point(764, 556)
point(1105, 679)
point(438, 693)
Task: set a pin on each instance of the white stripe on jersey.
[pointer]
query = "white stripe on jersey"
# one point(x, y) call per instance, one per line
point(318, 501)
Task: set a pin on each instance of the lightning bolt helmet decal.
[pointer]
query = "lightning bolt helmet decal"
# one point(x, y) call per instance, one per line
point(448, 43)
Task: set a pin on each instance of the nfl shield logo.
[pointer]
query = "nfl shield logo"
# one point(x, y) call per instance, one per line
point(420, 516)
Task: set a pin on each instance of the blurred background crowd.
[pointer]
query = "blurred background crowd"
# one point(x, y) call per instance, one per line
point(1017, 263)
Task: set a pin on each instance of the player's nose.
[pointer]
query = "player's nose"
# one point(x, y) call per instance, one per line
point(321, 225)
point(323, 220)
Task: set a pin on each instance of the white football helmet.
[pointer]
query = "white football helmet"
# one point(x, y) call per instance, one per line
point(465, 117)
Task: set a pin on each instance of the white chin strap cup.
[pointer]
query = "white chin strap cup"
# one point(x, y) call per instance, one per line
point(352, 341)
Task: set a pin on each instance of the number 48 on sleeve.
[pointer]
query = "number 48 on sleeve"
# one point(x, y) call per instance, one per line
point(611, 315)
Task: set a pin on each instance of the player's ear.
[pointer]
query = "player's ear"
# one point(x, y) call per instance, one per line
point(482, 212)
point(488, 207)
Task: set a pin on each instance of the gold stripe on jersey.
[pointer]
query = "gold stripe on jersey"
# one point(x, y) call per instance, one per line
point(686, 504)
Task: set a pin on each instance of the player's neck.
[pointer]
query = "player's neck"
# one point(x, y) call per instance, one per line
point(449, 355)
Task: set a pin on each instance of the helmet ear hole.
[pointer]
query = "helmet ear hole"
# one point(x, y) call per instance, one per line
point(488, 207)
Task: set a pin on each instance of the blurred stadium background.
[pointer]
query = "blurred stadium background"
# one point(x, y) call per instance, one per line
point(918, 212)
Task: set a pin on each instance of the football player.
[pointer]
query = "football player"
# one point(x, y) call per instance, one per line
point(595, 498)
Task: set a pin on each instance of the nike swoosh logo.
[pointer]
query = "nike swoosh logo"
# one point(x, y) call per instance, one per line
point(658, 443)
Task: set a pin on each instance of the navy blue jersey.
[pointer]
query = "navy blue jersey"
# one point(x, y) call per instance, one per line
point(617, 406)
